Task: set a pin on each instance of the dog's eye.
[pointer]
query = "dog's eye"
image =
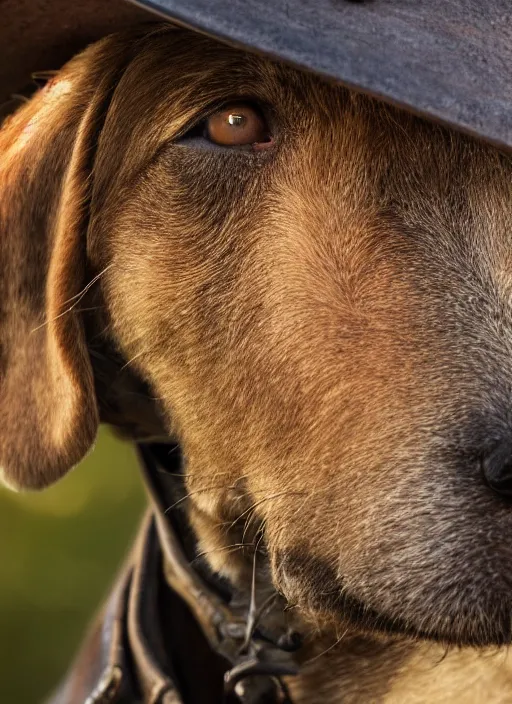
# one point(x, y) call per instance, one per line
point(233, 125)
point(238, 125)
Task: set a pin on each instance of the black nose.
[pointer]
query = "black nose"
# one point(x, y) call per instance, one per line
point(497, 469)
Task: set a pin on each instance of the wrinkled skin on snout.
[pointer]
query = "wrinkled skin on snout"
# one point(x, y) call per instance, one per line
point(326, 327)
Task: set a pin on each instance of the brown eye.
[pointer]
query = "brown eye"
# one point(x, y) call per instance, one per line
point(238, 125)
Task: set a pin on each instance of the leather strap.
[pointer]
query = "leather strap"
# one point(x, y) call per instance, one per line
point(169, 636)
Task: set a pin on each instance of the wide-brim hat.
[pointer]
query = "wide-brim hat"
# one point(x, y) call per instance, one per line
point(447, 60)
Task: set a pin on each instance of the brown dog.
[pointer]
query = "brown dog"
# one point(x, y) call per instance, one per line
point(314, 299)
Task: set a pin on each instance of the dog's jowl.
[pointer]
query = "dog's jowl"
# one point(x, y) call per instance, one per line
point(311, 293)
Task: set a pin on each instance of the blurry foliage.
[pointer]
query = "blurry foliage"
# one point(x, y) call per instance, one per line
point(59, 552)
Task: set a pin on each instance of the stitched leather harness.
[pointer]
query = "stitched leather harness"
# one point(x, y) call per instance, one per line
point(175, 634)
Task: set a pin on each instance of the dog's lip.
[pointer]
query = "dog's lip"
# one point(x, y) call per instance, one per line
point(360, 614)
point(356, 613)
point(336, 600)
point(326, 594)
point(365, 618)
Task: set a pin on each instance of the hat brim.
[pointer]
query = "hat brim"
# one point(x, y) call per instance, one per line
point(447, 61)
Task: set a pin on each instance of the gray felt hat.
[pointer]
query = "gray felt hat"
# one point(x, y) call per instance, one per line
point(448, 60)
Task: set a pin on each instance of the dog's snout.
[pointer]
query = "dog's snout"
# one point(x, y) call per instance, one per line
point(497, 468)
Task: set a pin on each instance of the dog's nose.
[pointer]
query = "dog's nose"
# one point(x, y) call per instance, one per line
point(497, 469)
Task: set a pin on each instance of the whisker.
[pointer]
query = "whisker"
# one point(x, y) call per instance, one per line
point(186, 475)
point(225, 548)
point(77, 296)
point(248, 523)
point(316, 657)
point(42, 77)
point(261, 501)
point(253, 610)
point(130, 361)
point(214, 487)
point(19, 96)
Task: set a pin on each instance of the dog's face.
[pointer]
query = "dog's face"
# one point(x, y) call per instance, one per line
point(316, 289)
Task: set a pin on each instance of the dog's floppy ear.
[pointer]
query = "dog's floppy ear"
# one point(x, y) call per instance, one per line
point(48, 410)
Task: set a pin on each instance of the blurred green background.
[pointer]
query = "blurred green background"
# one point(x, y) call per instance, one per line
point(59, 552)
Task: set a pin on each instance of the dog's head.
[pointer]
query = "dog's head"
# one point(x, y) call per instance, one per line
point(315, 290)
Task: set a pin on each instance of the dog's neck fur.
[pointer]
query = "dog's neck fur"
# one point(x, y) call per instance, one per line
point(365, 668)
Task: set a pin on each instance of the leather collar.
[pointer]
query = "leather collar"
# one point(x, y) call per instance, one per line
point(173, 633)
